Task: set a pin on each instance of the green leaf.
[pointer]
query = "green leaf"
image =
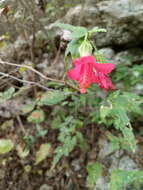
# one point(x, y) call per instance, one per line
point(28, 108)
point(114, 142)
point(79, 32)
point(72, 48)
point(126, 143)
point(68, 139)
point(22, 69)
point(56, 122)
point(40, 131)
point(129, 137)
point(8, 93)
point(121, 178)
point(76, 31)
point(64, 26)
point(42, 153)
point(82, 141)
point(7, 124)
point(94, 172)
point(118, 112)
point(36, 116)
point(6, 145)
point(104, 111)
point(52, 98)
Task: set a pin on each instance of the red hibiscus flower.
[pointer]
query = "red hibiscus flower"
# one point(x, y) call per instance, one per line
point(88, 71)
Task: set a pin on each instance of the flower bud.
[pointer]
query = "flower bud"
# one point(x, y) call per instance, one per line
point(85, 49)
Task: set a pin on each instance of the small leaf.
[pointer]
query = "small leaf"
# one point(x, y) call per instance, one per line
point(6, 145)
point(28, 108)
point(9, 93)
point(94, 172)
point(43, 152)
point(52, 98)
point(36, 116)
point(7, 124)
point(56, 122)
point(22, 69)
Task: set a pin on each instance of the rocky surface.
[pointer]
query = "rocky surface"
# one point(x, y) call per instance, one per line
point(123, 20)
point(113, 160)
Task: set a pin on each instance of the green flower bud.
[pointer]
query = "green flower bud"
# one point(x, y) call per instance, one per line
point(85, 49)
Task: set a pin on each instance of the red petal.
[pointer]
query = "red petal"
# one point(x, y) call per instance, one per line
point(105, 82)
point(74, 74)
point(83, 90)
point(104, 67)
point(84, 60)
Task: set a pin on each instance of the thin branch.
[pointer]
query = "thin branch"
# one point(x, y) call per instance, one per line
point(35, 71)
point(32, 69)
point(23, 81)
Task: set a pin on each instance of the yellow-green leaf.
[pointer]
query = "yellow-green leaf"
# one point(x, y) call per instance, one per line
point(43, 152)
point(6, 145)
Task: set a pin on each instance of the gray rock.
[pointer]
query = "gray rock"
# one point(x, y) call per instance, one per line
point(112, 160)
point(126, 163)
point(101, 184)
point(76, 165)
point(104, 148)
point(81, 15)
point(46, 187)
point(129, 56)
point(108, 53)
point(123, 20)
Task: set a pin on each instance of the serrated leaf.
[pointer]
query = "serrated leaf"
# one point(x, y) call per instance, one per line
point(6, 145)
point(121, 178)
point(28, 108)
point(130, 138)
point(104, 111)
point(94, 172)
point(43, 152)
point(52, 98)
point(36, 116)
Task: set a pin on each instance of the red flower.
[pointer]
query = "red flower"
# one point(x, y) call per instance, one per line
point(87, 71)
